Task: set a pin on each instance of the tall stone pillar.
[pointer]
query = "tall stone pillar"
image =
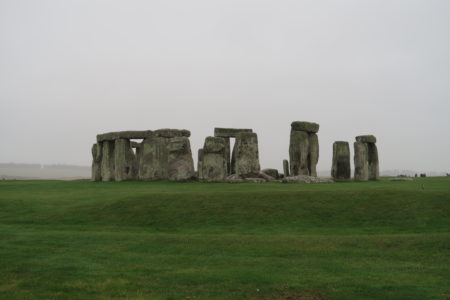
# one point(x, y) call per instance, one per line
point(374, 167)
point(200, 163)
point(304, 148)
point(107, 165)
point(247, 155)
point(286, 168)
point(214, 166)
point(180, 163)
point(124, 160)
point(340, 169)
point(361, 161)
point(154, 159)
point(366, 158)
point(96, 162)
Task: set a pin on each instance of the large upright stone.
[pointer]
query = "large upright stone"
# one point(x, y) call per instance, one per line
point(246, 155)
point(313, 154)
point(299, 153)
point(107, 165)
point(200, 163)
point(124, 161)
point(374, 168)
point(96, 162)
point(286, 168)
point(214, 165)
point(180, 163)
point(154, 159)
point(361, 161)
point(340, 169)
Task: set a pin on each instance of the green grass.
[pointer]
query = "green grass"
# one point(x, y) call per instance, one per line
point(162, 240)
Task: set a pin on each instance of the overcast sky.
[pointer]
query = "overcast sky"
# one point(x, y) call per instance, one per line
point(72, 69)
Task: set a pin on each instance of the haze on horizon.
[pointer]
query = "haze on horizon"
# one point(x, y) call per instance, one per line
point(72, 69)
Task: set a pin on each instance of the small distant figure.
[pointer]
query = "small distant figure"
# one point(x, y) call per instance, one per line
point(448, 174)
point(423, 175)
point(415, 175)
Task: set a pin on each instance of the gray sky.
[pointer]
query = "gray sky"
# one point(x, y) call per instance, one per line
point(72, 69)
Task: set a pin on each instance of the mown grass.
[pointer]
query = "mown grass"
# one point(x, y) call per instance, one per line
point(162, 240)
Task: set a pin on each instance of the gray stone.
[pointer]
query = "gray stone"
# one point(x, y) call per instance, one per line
point(124, 161)
point(227, 153)
point(154, 158)
point(299, 153)
point(234, 179)
point(266, 177)
point(214, 166)
point(255, 180)
point(200, 163)
point(361, 161)
point(313, 154)
point(271, 172)
point(180, 162)
point(286, 168)
point(229, 132)
point(172, 133)
point(246, 155)
point(305, 179)
point(305, 126)
point(366, 139)
point(340, 169)
point(96, 162)
point(107, 165)
point(111, 136)
point(374, 168)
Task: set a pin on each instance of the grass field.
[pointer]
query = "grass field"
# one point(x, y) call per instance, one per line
point(162, 240)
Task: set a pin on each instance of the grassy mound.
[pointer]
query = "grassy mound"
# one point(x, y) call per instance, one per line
point(162, 240)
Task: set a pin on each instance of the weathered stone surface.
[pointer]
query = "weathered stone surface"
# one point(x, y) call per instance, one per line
point(286, 168)
point(340, 169)
point(266, 177)
point(305, 126)
point(180, 162)
point(247, 155)
point(366, 139)
point(299, 153)
point(171, 133)
point(111, 136)
point(234, 179)
point(229, 132)
point(361, 161)
point(227, 153)
point(96, 162)
point(154, 157)
point(124, 161)
point(233, 160)
point(271, 172)
point(200, 163)
point(306, 179)
point(107, 165)
point(214, 166)
point(374, 168)
point(313, 154)
point(255, 180)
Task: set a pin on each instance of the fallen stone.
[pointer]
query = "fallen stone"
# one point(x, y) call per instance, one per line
point(366, 139)
point(305, 126)
point(340, 169)
point(254, 180)
point(271, 172)
point(234, 179)
point(266, 177)
point(305, 179)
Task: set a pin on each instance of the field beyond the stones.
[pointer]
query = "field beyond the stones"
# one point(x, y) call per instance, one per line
point(163, 240)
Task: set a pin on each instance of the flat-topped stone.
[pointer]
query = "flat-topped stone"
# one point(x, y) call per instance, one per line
point(171, 133)
point(305, 126)
point(229, 132)
point(131, 134)
point(366, 139)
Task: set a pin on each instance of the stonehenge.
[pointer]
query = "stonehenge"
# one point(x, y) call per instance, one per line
point(340, 169)
point(162, 154)
point(303, 148)
point(165, 154)
point(366, 158)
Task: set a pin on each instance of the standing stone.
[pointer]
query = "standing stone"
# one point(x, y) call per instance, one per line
point(107, 165)
point(340, 169)
point(233, 160)
point(286, 168)
point(298, 153)
point(227, 153)
point(214, 166)
point(154, 159)
point(180, 163)
point(361, 161)
point(124, 160)
point(200, 163)
point(313, 154)
point(246, 155)
point(96, 162)
point(374, 168)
